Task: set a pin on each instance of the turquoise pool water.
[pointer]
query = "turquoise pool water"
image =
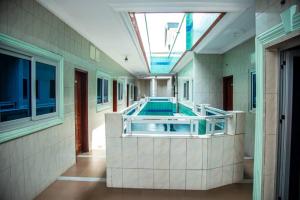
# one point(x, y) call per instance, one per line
point(163, 108)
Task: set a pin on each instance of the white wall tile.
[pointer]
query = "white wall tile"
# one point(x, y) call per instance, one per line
point(17, 181)
point(177, 179)
point(238, 172)
point(129, 157)
point(214, 178)
point(5, 190)
point(114, 123)
point(117, 177)
point(130, 178)
point(145, 153)
point(204, 180)
point(108, 177)
point(240, 122)
point(114, 152)
point(178, 154)
point(227, 174)
point(146, 178)
point(216, 152)
point(238, 148)
point(193, 179)
point(194, 153)
point(161, 153)
point(161, 179)
point(206, 151)
point(228, 149)
point(269, 187)
point(5, 150)
point(270, 154)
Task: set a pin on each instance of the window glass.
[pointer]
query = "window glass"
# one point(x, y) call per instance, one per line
point(187, 90)
point(45, 88)
point(132, 91)
point(99, 90)
point(253, 90)
point(120, 91)
point(105, 93)
point(14, 88)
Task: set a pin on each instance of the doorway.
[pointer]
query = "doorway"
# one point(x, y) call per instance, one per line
point(81, 111)
point(228, 93)
point(115, 96)
point(288, 170)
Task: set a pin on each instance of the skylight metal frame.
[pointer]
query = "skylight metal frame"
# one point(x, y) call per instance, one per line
point(136, 28)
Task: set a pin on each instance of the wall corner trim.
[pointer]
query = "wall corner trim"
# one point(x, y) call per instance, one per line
point(287, 18)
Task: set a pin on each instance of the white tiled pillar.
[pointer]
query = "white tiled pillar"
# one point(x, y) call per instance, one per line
point(153, 87)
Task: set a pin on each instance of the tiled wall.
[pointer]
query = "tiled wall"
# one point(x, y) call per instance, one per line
point(183, 75)
point(29, 164)
point(267, 16)
point(271, 119)
point(169, 162)
point(164, 87)
point(207, 72)
point(237, 62)
point(208, 80)
point(144, 87)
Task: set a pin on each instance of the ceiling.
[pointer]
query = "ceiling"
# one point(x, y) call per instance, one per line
point(107, 25)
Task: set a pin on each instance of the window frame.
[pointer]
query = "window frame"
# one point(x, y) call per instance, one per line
point(252, 71)
point(186, 89)
point(131, 92)
point(121, 83)
point(103, 105)
point(20, 127)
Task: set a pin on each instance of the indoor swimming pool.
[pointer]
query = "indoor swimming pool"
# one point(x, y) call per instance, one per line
point(166, 116)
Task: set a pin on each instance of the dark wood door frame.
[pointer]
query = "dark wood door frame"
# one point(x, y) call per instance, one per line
point(81, 111)
point(115, 96)
point(228, 93)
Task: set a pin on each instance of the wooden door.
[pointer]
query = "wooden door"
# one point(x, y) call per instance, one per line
point(228, 93)
point(127, 95)
point(81, 113)
point(115, 96)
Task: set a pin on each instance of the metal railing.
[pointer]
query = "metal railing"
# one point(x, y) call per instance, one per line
point(179, 124)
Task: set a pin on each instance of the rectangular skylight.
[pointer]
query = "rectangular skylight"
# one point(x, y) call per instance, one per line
point(166, 36)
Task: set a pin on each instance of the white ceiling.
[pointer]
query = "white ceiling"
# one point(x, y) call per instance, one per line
point(107, 25)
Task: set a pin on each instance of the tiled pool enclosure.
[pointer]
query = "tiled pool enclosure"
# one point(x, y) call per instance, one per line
point(163, 144)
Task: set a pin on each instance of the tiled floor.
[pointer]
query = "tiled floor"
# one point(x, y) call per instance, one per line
point(88, 165)
point(97, 190)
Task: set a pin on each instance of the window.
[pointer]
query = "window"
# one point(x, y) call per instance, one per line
point(120, 91)
point(102, 90)
point(252, 90)
point(186, 87)
point(45, 88)
point(31, 88)
point(132, 91)
point(14, 87)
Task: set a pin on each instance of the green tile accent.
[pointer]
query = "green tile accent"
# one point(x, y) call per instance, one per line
point(185, 110)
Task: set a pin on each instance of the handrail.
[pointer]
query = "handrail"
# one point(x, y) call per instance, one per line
point(198, 124)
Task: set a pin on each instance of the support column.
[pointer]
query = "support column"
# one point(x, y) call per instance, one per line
point(153, 87)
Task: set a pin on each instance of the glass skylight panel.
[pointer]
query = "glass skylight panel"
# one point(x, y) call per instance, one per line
point(166, 36)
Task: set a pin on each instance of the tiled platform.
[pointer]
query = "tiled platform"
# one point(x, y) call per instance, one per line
point(97, 190)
